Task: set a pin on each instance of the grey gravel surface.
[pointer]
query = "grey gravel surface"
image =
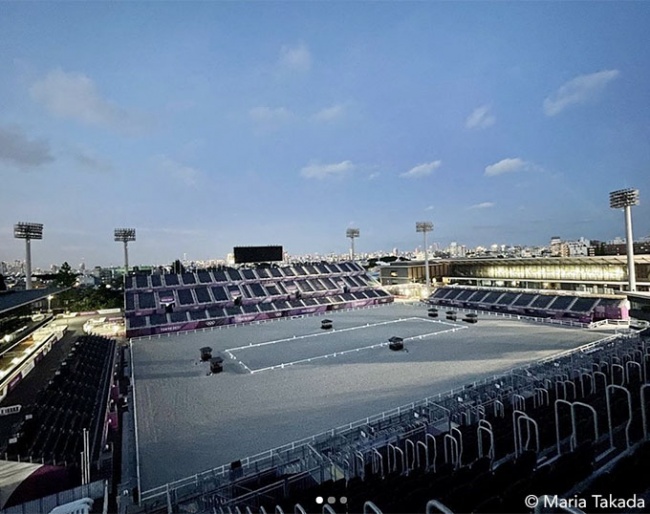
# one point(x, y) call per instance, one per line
point(189, 421)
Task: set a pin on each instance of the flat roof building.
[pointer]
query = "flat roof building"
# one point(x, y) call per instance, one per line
point(596, 275)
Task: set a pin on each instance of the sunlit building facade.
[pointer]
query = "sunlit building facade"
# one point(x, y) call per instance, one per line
point(596, 275)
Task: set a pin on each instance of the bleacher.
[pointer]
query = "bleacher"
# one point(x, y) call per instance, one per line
point(570, 426)
point(583, 308)
point(51, 430)
point(169, 303)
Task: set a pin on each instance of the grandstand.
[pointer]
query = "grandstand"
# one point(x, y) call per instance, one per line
point(157, 304)
point(75, 399)
point(584, 308)
point(22, 344)
point(58, 435)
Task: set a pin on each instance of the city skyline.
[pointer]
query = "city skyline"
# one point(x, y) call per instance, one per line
point(455, 249)
point(212, 125)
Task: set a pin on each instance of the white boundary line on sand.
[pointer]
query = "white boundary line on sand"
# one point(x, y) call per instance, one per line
point(334, 331)
point(454, 328)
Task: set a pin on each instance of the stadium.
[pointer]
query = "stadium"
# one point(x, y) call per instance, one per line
point(484, 346)
point(276, 386)
point(485, 349)
point(297, 411)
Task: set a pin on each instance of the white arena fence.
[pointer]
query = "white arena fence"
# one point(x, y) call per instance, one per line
point(423, 303)
point(257, 322)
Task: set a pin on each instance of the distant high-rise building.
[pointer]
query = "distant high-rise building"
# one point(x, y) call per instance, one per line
point(579, 248)
point(600, 248)
point(556, 246)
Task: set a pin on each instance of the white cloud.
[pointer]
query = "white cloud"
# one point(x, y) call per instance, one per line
point(510, 165)
point(296, 58)
point(422, 170)
point(180, 172)
point(480, 118)
point(18, 150)
point(332, 113)
point(373, 175)
point(429, 208)
point(581, 89)
point(322, 171)
point(75, 96)
point(270, 117)
point(484, 205)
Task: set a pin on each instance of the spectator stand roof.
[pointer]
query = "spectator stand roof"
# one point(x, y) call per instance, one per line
point(11, 300)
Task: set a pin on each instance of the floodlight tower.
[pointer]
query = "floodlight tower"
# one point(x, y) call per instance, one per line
point(125, 235)
point(424, 227)
point(625, 199)
point(352, 233)
point(28, 231)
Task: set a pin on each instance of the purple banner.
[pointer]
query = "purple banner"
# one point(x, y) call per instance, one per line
point(15, 381)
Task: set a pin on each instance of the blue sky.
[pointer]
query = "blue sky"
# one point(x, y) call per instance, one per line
point(215, 124)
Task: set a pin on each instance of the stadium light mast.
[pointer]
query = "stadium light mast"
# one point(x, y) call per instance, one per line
point(625, 199)
point(28, 231)
point(352, 233)
point(424, 227)
point(124, 235)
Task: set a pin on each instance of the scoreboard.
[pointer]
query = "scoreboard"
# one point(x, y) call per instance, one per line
point(244, 254)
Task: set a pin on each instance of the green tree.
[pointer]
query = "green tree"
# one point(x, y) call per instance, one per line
point(82, 299)
point(65, 277)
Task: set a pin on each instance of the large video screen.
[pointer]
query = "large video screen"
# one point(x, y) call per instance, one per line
point(244, 254)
